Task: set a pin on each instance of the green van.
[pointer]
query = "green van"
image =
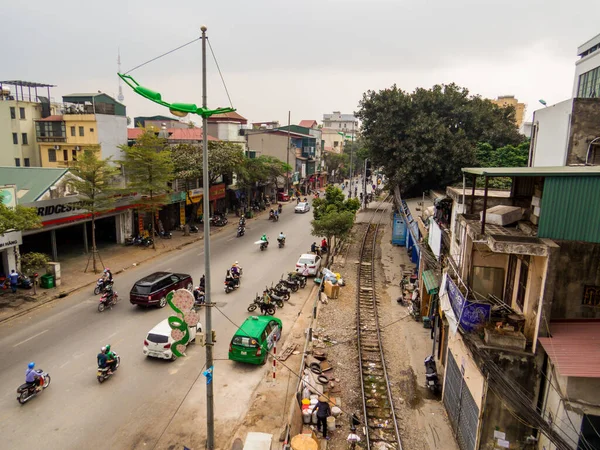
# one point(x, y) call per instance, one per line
point(252, 342)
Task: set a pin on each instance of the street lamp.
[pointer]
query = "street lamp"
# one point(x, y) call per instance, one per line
point(542, 101)
point(182, 110)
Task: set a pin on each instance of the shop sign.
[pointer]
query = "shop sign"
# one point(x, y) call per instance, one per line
point(217, 192)
point(181, 214)
point(8, 194)
point(472, 315)
point(10, 239)
point(193, 196)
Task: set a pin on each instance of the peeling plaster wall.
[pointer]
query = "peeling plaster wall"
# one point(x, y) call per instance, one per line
point(585, 126)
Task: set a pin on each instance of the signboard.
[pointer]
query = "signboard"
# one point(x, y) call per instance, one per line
point(216, 192)
point(471, 315)
point(8, 195)
point(194, 196)
point(10, 239)
point(181, 214)
point(435, 238)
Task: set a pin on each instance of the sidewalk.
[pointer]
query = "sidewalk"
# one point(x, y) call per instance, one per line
point(117, 256)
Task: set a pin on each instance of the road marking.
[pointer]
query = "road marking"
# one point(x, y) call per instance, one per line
point(200, 254)
point(30, 338)
point(105, 340)
point(60, 367)
point(232, 239)
point(169, 269)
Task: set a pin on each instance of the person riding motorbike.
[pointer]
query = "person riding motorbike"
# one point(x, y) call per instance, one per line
point(281, 237)
point(276, 215)
point(279, 208)
point(324, 245)
point(242, 221)
point(108, 277)
point(271, 214)
point(264, 238)
point(110, 293)
point(32, 378)
point(315, 249)
point(230, 279)
point(103, 359)
point(111, 358)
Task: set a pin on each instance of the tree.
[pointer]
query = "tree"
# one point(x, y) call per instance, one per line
point(260, 170)
point(507, 156)
point(333, 215)
point(149, 168)
point(19, 218)
point(339, 162)
point(274, 168)
point(423, 139)
point(32, 261)
point(94, 183)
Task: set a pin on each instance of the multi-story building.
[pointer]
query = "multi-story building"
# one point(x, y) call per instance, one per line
point(338, 128)
point(341, 122)
point(157, 122)
point(587, 70)
point(21, 104)
point(88, 121)
point(228, 127)
point(510, 100)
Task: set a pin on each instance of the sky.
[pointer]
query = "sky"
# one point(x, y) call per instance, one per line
point(309, 57)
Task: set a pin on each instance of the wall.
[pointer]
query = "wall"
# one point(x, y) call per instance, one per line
point(474, 380)
point(88, 122)
point(578, 265)
point(8, 126)
point(585, 126)
point(270, 144)
point(112, 132)
point(549, 146)
point(329, 137)
point(533, 295)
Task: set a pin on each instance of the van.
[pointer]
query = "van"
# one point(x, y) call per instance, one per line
point(254, 339)
point(152, 290)
point(158, 341)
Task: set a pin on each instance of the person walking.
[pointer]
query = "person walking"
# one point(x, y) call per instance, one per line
point(14, 280)
point(323, 412)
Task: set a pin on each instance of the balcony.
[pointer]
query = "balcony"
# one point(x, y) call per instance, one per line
point(51, 129)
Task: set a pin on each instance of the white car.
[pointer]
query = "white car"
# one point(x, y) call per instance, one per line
point(302, 207)
point(158, 341)
point(313, 263)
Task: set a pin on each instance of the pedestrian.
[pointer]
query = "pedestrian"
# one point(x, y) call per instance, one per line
point(323, 412)
point(14, 279)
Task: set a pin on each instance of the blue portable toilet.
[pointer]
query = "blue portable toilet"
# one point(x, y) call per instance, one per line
point(399, 230)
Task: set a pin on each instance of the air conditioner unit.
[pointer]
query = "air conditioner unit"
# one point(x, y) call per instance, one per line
point(77, 147)
point(57, 147)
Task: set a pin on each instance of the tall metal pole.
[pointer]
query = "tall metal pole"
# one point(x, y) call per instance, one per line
point(351, 155)
point(210, 414)
point(287, 160)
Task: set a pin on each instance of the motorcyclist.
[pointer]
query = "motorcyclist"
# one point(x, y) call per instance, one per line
point(103, 359)
point(242, 221)
point(230, 279)
point(264, 239)
point(279, 208)
point(202, 283)
point(271, 214)
point(235, 272)
point(281, 237)
point(32, 378)
point(315, 249)
point(108, 290)
point(324, 245)
point(111, 358)
point(276, 215)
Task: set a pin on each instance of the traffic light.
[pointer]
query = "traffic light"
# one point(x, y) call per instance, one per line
point(368, 168)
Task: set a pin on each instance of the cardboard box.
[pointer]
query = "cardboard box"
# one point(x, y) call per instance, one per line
point(331, 290)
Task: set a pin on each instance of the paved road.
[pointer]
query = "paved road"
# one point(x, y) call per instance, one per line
point(133, 408)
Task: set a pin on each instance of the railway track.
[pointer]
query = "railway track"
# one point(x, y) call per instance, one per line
point(381, 426)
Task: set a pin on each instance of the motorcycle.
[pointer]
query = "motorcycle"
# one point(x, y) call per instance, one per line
point(278, 300)
point(293, 285)
point(218, 221)
point(103, 374)
point(264, 308)
point(281, 242)
point(26, 392)
point(24, 282)
point(241, 231)
point(163, 234)
point(295, 276)
point(101, 285)
point(108, 299)
point(133, 240)
point(263, 244)
point(272, 216)
point(199, 297)
point(282, 291)
point(147, 241)
point(231, 284)
point(432, 381)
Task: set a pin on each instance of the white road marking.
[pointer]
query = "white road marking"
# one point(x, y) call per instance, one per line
point(60, 367)
point(104, 340)
point(200, 254)
point(30, 338)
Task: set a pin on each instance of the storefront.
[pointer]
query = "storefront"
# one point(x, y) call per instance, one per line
point(9, 242)
point(217, 198)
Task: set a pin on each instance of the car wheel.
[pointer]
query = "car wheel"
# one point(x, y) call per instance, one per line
point(163, 302)
point(173, 357)
point(190, 287)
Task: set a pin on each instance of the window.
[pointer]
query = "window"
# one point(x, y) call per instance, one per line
point(589, 84)
point(26, 161)
point(66, 155)
point(91, 130)
point(340, 125)
point(73, 131)
point(51, 155)
point(522, 286)
point(80, 131)
point(15, 138)
point(24, 138)
point(18, 162)
point(591, 296)
point(13, 112)
point(74, 153)
point(22, 113)
point(335, 143)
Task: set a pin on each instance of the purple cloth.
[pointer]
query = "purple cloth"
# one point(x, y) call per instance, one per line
point(30, 375)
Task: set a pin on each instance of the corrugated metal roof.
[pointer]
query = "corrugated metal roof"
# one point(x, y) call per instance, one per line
point(33, 181)
point(559, 171)
point(570, 209)
point(574, 348)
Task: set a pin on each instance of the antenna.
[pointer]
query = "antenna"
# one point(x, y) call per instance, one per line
point(120, 97)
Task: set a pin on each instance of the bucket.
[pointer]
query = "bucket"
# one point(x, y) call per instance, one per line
point(305, 403)
point(335, 411)
point(306, 416)
point(314, 418)
point(331, 423)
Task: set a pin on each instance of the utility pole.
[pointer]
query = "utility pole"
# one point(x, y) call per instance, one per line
point(287, 159)
point(351, 155)
point(210, 413)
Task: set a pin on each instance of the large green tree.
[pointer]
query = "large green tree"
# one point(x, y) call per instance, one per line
point(333, 214)
point(423, 139)
point(148, 170)
point(19, 218)
point(338, 162)
point(95, 183)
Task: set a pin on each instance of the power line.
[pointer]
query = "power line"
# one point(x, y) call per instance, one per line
point(219, 69)
point(160, 56)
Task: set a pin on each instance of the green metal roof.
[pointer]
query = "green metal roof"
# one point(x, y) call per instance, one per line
point(559, 171)
point(254, 325)
point(431, 282)
point(570, 209)
point(31, 182)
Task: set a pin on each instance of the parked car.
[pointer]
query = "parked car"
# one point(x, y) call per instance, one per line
point(302, 207)
point(312, 261)
point(252, 341)
point(158, 340)
point(282, 197)
point(153, 289)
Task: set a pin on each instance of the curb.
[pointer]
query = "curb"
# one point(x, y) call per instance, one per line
point(66, 293)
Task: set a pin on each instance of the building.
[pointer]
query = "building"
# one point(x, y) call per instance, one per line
point(310, 127)
point(341, 122)
point(514, 306)
point(87, 121)
point(229, 127)
point(510, 100)
point(157, 122)
point(587, 70)
point(21, 104)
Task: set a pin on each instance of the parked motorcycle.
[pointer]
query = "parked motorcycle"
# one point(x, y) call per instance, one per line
point(108, 299)
point(293, 285)
point(295, 276)
point(24, 282)
point(278, 300)
point(218, 221)
point(282, 291)
point(432, 381)
point(264, 308)
point(241, 230)
point(26, 392)
point(163, 234)
point(103, 373)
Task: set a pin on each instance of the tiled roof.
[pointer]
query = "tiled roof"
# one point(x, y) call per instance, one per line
point(51, 119)
point(175, 134)
point(31, 182)
point(228, 116)
point(307, 123)
point(574, 348)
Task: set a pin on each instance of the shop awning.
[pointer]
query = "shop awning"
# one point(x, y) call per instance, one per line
point(431, 282)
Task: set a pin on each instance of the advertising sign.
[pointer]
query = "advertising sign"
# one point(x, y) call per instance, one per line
point(216, 192)
point(10, 239)
point(8, 195)
point(471, 315)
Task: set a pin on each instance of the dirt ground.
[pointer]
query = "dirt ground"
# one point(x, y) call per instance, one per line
point(423, 423)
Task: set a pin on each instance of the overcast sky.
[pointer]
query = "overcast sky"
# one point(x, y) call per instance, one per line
point(310, 56)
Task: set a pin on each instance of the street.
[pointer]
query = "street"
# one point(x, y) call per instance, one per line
point(134, 407)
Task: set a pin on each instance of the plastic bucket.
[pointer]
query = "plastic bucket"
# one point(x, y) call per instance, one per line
point(306, 416)
point(314, 418)
point(305, 403)
point(331, 423)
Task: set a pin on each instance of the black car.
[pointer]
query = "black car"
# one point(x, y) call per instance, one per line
point(152, 290)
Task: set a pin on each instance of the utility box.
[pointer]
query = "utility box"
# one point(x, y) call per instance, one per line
point(54, 270)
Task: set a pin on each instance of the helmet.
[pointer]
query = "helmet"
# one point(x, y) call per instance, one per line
point(31, 365)
point(106, 270)
point(103, 349)
point(235, 263)
point(108, 348)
